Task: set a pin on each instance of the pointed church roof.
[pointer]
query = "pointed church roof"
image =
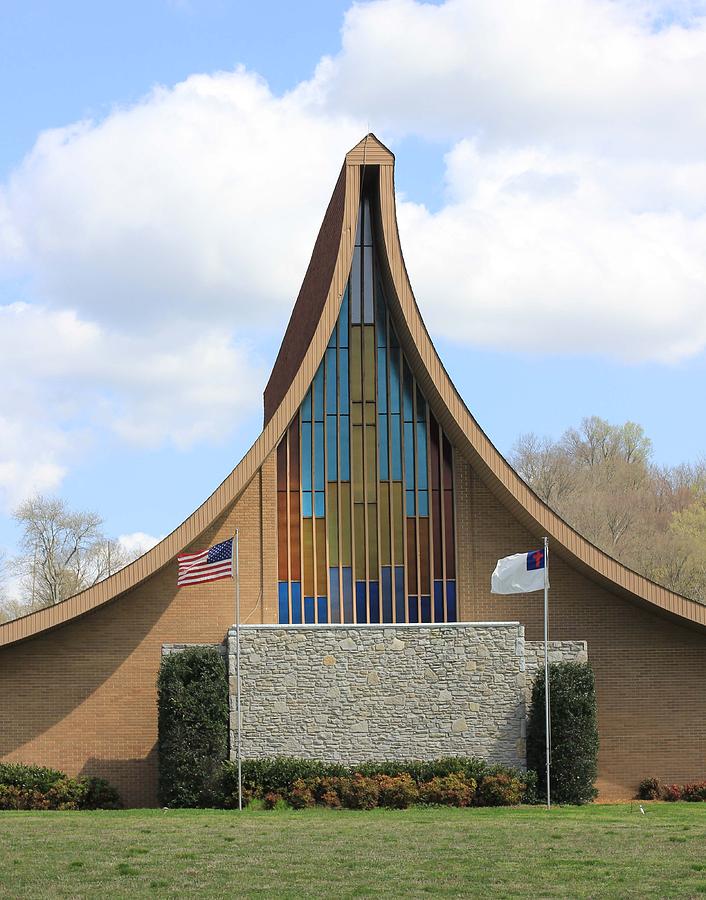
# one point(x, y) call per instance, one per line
point(313, 318)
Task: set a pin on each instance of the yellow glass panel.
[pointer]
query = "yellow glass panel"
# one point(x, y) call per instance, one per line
point(308, 553)
point(359, 531)
point(369, 362)
point(345, 524)
point(373, 541)
point(321, 569)
point(356, 384)
point(371, 466)
point(332, 520)
point(357, 461)
point(385, 537)
point(397, 522)
point(356, 413)
point(369, 413)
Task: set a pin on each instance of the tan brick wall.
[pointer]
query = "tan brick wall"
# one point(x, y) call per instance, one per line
point(650, 671)
point(82, 698)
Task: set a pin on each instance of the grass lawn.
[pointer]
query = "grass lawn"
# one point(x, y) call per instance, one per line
point(592, 851)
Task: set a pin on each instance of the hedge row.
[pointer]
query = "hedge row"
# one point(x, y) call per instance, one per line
point(653, 789)
point(36, 787)
point(451, 781)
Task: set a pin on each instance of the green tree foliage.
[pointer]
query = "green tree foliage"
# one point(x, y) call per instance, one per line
point(192, 691)
point(574, 733)
point(600, 478)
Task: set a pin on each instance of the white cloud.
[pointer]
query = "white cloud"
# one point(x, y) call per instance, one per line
point(541, 252)
point(584, 73)
point(201, 202)
point(138, 542)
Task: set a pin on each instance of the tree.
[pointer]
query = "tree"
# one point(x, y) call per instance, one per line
point(600, 478)
point(64, 552)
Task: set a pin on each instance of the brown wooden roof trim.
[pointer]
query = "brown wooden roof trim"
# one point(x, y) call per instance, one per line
point(495, 471)
point(230, 489)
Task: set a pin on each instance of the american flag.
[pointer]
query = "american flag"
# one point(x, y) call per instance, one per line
point(206, 565)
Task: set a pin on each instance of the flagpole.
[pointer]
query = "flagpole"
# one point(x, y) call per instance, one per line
point(547, 716)
point(237, 668)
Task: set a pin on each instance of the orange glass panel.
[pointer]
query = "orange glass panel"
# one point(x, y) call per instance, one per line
point(308, 552)
point(294, 535)
point(282, 573)
point(397, 523)
point(332, 520)
point(449, 528)
point(346, 553)
point(385, 535)
point(425, 586)
point(294, 454)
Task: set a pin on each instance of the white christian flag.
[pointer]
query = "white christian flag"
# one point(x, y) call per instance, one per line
point(206, 565)
point(519, 573)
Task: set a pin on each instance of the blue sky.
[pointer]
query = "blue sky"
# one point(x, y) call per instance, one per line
point(552, 203)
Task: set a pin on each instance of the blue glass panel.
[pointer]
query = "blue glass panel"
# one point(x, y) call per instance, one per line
point(413, 610)
point(421, 407)
point(386, 583)
point(368, 285)
point(355, 287)
point(306, 456)
point(334, 593)
point(307, 508)
point(393, 337)
point(319, 473)
point(396, 446)
point(409, 503)
point(408, 406)
point(331, 356)
point(422, 475)
point(296, 603)
point(319, 504)
point(368, 225)
point(360, 610)
point(380, 319)
point(394, 382)
point(309, 618)
point(399, 594)
point(343, 395)
point(306, 407)
point(343, 321)
point(383, 454)
point(409, 455)
point(347, 594)
point(332, 339)
point(423, 500)
point(345, 438)
point(426, 609)
point(322, 609)
point(450, 601)
point(283, 595)
point(382, 380)
point(331, 449)
point(374, 602)
point(439, 601)
point(319, 394)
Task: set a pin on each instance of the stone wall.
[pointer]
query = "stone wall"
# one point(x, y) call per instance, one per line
point(350, 693)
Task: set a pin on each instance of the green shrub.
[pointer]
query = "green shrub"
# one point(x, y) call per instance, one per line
point(397, 791)
point(500, 790)
point(193, 727)
point(359, 792)
point(694, 793)
point(36, 787)
point(574, 733)
point(100, 795)
point(276, 773)
point(650, 789)
point(272, 800)
point(448, 790)
point(300, 795)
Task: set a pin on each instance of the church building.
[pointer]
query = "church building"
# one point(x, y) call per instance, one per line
point(371, 497)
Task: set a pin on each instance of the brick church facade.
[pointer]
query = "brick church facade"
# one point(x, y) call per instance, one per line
point(371, 496)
